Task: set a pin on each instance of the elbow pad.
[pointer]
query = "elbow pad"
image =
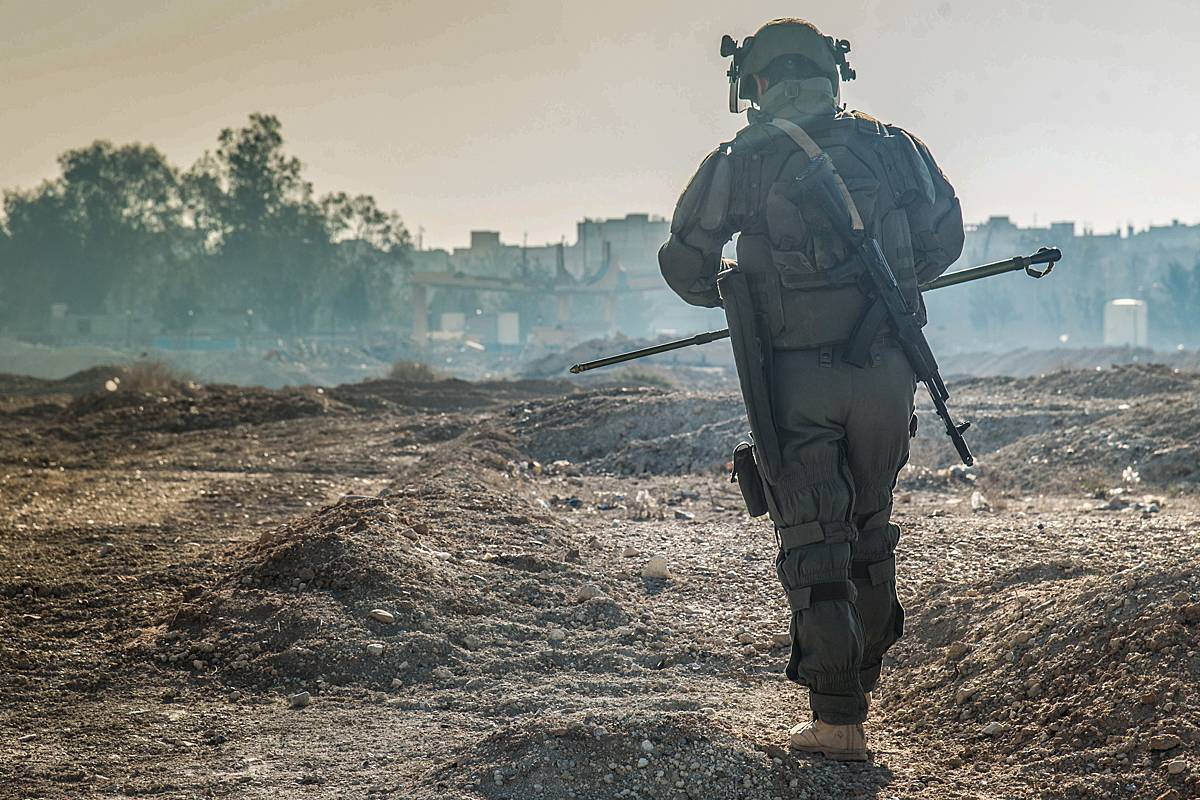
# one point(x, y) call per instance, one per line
point(685, 270)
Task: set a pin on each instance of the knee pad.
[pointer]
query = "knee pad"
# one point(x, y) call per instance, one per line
point(827, 640)
point(873, 572)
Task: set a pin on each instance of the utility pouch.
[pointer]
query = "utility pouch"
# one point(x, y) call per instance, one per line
point(745, 474)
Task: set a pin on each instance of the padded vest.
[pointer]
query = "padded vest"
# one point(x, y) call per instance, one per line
point(803, 274)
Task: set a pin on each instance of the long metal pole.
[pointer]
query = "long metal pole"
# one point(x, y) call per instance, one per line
point(1046, 255)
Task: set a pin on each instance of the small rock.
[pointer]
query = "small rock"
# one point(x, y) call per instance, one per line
point(745, 637)
point(475, 684)
point(643, 762)
point(656, 567)
point(442, 673)
point(956, 651)
point(992, 729)
point(198, 664)
point(558, 636)
point(589, 591)
point(647, 746)
point(781, 639)
point(979, 503)
point(964, 694)
point(397, 683)
point(1164, 741)
point(684, 515)
point(1176, 766)
point(375, 649)
point(749, 650)
point(380, 615)
point(299, 700)
point(472, 642)
point(630, 552)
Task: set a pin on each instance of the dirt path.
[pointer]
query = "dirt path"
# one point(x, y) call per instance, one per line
point(164, 590)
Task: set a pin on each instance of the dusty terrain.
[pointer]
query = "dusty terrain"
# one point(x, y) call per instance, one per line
point(187, 581)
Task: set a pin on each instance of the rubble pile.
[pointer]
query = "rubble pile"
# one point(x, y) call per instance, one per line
point(640, 754)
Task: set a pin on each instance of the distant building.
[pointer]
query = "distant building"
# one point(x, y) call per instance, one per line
point(607, 280)
point(1157, 266)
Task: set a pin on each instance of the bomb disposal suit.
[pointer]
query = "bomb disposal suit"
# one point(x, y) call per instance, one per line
point(798, 184)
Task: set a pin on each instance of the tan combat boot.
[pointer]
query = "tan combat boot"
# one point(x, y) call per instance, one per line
point(837, 742)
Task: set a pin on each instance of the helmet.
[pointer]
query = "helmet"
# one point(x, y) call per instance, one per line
point(782, 37)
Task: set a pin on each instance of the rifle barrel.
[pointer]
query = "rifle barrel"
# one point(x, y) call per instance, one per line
point(1046, 255)
point(699, 338)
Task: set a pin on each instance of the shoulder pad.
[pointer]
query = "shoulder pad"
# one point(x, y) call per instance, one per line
point(751, 138)
point(865, 123)
point(706, 198)
point(914, 180)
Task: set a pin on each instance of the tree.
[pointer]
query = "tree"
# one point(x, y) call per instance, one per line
point(122, 229)
point(258, 215)
point(108, 224)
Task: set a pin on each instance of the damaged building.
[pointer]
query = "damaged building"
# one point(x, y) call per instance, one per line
point(551, 295)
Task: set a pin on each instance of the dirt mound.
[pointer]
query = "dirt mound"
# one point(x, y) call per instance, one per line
point(1072, 431)
point(86, 381)
point(191, 409)
point(1028, 362)
point(297, 611)
point(1084, 430)
point(635, 431)
point(450, 394)
point(1124, 382)
point(1093, 674)
point(298, 608)
point(660, 755)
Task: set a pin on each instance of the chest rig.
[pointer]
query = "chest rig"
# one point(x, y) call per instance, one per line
point(800, 261)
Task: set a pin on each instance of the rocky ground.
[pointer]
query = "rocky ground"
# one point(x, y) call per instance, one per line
point(525, 590)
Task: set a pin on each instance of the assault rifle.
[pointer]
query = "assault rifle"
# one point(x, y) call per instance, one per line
point(1045, 255)
point(886, 306)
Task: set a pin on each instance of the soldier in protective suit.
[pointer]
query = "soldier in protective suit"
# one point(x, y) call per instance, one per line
point(830, 436)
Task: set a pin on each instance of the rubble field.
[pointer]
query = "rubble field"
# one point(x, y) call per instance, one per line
point(542, 589)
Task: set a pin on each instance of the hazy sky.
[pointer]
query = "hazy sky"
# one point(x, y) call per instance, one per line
point(525, 116)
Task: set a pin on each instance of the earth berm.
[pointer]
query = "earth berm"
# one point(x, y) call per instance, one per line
point(524, 590)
